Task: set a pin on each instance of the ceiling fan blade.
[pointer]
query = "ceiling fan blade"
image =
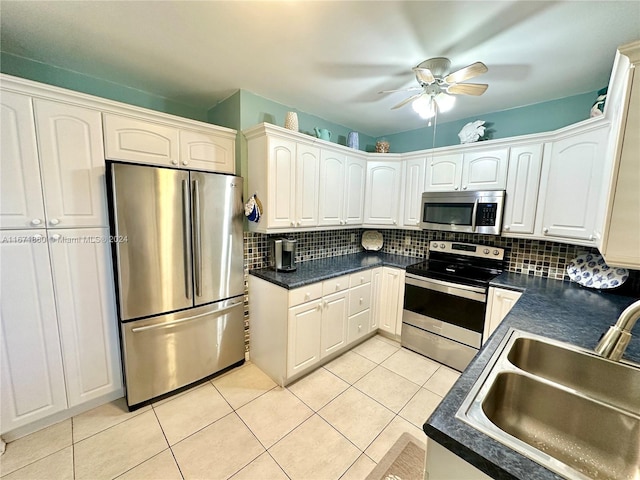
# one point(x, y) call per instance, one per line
point(468, 88)
point(466, 73)
point(401, 90)
point(424, 75)
point(406, 100)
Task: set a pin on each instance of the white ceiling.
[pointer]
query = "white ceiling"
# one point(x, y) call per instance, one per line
point(328, 58)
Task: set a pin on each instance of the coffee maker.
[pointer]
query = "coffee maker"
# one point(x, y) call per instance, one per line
point(284, 254)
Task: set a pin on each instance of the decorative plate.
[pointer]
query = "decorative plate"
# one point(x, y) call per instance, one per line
point(372, 240)
point(590, 270)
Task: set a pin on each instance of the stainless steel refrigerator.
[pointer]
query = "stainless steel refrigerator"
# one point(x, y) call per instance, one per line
point(179, 275)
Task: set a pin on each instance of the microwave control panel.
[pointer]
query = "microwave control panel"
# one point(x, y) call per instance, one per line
point(486, 214)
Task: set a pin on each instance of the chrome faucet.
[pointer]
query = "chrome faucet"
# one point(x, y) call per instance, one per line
point(613, 343)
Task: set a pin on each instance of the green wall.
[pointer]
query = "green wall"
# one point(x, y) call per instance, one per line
point(537, 118)
point(59, 77)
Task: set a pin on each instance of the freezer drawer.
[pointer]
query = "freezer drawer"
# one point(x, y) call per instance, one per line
point(167, 352)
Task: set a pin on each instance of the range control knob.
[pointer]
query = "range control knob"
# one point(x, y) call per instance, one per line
point(496, 252)
point(435, 245)
point(442, 245)
point(486, 251)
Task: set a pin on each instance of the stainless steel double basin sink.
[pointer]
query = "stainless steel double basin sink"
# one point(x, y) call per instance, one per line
point(564, 407)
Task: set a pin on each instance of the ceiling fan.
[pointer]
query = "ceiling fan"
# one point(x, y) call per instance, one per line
point(438, 86)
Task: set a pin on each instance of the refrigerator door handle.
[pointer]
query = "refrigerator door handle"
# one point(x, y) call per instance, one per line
point(197, 237)
point(183, 320)
point(185, 235)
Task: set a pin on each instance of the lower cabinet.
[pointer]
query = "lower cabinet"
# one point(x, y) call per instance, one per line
point(390, 300)
point(442, 464)
point(60, 342)
point(499, 302)
point(295, 331)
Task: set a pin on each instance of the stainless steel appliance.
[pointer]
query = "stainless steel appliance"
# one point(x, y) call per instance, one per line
point(284, 254)
point(179, 275)
point(467, 212)
point(445, 301)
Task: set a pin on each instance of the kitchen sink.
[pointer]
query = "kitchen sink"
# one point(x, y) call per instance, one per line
point(564, 407)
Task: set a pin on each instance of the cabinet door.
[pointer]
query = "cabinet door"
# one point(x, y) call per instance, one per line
point(280, 208)
point(376, 298)
point(307, 185)
point(523, 180)
point(356, 178)
point(392, 295)
point(499, 303)
point(305, 327)
point(382, 193)
point(334, 322)
point(444, 173)
point(72, 160)
point(31, 363)
point(358, 325)
point(573, 185)
point(332, 188)
point(485, 170)
point(21, 199)
point(83, 281)
point(414, 174)
point(203, 151)
point(137, 140)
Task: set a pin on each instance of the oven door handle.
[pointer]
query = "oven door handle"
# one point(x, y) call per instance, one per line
point(474, 212)
point(466, 291)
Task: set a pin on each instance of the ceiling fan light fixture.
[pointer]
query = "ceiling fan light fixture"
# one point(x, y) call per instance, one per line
point(445, 102)
point(424, 106)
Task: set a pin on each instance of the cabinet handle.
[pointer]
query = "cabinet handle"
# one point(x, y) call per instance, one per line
point(298, 224)
point(337, 286)
point(507, 227)
point(359, 327)
point(36, 221)
point(319, 307)
point(464, 188)
point(293, 224)
point(361, 279)
point(174, 162)
point(456, 187)
point(54, 221)
point(592, 238)
point(307, 296)
point(184, 162)
point(361, 300)
point(545, 230)
point(55, 237)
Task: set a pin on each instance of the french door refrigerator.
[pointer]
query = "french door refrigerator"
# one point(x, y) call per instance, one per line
point(178, 259)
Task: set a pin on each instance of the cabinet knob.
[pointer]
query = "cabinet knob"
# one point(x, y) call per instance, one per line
point(36, 221)
point(361, 300)
point(298, 224)
point(507, 227)
point(54, 221)
point(359, 327)
point(174, 162)
point(307, 296)
point(293, 224)
point(319, 307)
point(545, 230)
point(592, 238)
point(455, 188)
point(55, 237)
point(337, 286)
point(184, 162)
point(361, 279)
point(394, 222)
point(464, 188)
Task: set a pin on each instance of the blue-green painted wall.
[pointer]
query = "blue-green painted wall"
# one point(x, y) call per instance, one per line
point(59, 77)
point(537, 118)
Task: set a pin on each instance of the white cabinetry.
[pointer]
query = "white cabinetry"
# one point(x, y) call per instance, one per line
point(391, 301)
point(572, 183)
point(342, 188)
point(384, 178)
point(619, 240)
point(470, 170)
point(303, 345)
point(360, 294)
point(33, 385)
point(140, 140)
point(413, 181)
point(68, 157)
point(500, 301)
point(523, 181)
point(356, 178)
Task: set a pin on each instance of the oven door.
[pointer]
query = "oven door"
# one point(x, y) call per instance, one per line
point(450, 310)
point(467, 212)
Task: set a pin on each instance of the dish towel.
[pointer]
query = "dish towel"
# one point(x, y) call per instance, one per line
point(253, 209)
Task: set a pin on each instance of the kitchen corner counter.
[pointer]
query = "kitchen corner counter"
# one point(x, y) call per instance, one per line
point(555, 309)
point(314, 271)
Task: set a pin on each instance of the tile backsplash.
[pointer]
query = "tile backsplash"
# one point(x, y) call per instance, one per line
point(529, 257)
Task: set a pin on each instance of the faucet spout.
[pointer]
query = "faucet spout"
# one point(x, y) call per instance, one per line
point(613, 343)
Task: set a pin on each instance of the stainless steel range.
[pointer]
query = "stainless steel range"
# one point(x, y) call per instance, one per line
point(445, 301)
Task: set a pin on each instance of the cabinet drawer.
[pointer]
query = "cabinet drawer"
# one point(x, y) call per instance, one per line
point(358, 325)
point(359, 298)
point(305, 294)
point(335, 285)
point(359, 278)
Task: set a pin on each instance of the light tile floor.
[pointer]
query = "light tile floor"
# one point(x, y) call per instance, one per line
point(335, 423)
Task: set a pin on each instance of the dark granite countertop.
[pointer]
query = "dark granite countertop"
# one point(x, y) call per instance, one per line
point(314, 271)
point(556, 309)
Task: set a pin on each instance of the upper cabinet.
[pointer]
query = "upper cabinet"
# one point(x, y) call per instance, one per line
point(471, 170)
point(413, 179)
point(63, 170)
point(523, 181)
point(619, 228)
point(571, 182)
point(382, 196)
point(140, 140)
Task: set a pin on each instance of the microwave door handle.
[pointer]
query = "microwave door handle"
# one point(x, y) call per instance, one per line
point(473, 215)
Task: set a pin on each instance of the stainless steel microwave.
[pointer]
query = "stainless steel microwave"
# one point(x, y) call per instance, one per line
point(465, 212)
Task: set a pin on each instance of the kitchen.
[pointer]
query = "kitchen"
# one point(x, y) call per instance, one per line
point(531, 254)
